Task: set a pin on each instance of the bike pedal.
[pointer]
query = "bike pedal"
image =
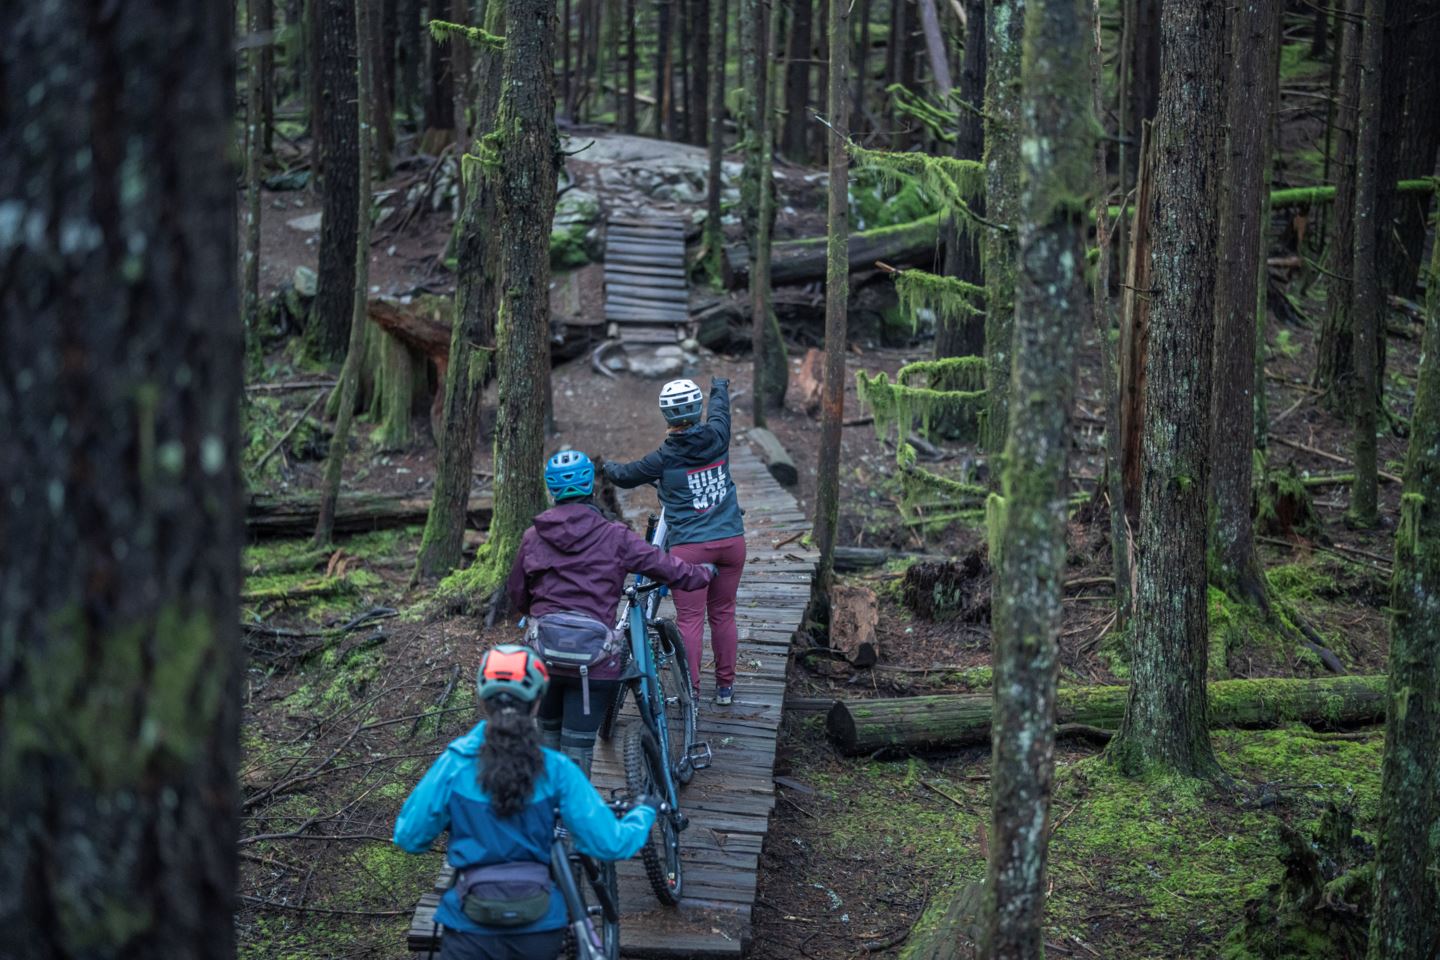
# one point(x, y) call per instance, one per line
point(700, 755)
point(681, 822)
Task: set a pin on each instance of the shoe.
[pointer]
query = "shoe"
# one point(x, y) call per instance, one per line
point(724, 696)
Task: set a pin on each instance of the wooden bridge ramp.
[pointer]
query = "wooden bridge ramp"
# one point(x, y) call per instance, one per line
point(647, 289)
point(729, 803)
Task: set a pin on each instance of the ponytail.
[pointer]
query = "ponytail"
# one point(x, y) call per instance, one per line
point(510, 758)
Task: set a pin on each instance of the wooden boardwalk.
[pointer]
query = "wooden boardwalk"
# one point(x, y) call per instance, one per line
point(647, 289)
point(729, 803)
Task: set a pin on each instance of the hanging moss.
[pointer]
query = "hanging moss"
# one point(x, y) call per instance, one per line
point(940, 122)
point(442, 30)
point(953, 182)
point(946, 297)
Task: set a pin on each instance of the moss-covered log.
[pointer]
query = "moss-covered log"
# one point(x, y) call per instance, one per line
point(267, 516)
point(803, 261)
point(777, 459)
point(963, 720)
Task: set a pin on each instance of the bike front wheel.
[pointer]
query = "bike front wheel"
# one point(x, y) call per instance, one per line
point(679, 702)
point(645, 775)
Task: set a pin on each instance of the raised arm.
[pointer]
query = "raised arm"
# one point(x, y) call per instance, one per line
point(592, 824)
point(719, 412)
point(633, 474)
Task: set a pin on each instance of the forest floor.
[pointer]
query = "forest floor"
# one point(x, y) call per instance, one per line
point(340, 723)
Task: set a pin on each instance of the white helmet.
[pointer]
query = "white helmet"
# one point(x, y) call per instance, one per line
point(681, 401)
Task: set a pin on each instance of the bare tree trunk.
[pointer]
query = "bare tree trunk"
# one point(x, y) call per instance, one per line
point(630, 62)
point(408, 55)
point(698, 108)
point(797, 83)
point(935, 47)
point(567, 90)
point(330, 316)
point(714, 245)
point(460, 77)
point(254, 120)
point(1145, 62)
point(837, 293)
point(662, 68)
point(862, 68)
point(1334, 366)
point(1367, 312)
point(1406, 915)
point(379, 91)
point(1165, 717)
point(768, 349)
point(1004, 27)
point(263, 26)
point(1049, 296)
point(1253, 90)
point(1419, 140)
point(350, 372)
point(472, 338)
point(119, 459)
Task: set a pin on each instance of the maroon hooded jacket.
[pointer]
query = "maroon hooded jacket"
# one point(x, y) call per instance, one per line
point(572, 558)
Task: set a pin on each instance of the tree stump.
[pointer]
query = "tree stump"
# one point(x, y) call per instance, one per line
point(854, 615)
point(949, 589)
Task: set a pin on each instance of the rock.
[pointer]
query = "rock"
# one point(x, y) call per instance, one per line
point(656, 367)
point(577, 206)
point(310, 223)
point(669, 351)
point(305, 281)
point(690, 346)
point(289, 180)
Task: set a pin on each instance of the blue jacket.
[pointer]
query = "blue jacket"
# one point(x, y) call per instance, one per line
point(693, 467)
point(450, 796)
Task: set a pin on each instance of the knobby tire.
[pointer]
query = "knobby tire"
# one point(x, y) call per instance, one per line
point(661, 853)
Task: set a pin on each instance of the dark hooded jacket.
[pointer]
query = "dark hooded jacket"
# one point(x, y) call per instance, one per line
point(693, 470)
point(572, 558)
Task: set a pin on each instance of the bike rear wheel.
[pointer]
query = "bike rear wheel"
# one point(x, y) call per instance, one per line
point(679, 702)
point(644, 775)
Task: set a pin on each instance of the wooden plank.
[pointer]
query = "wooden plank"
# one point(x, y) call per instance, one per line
point(636, 259)
point(675, 294)
point(653, 246)
point(679, 304)
point(646, 269)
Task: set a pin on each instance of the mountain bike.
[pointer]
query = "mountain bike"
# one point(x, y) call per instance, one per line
point(592, 898)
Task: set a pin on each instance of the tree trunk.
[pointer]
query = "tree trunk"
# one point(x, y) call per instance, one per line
point(350, 372)
point(896, 69)
point(662, 68)
point(697, 111)
point(953, 721)
point(381, 87)
point(567, 88)
point(1004, 26)
point(472, 339)
point(1419, 141)
point(714, 244)
point(460, 77)
point(524, 181)
point(1050, 294)
point(263, 26)
point(963, 335)
point(771, 371)
point(935, 49)
point(1319, 32)
point(1368, 306)
point(1144, 63)
point(862, 68)
point(797, 84)
point(119, 535)
point(1334, 366)
point(1135, 334)
point(1165, 722)
point(837, 294)
point(630, 62)
point(330, 316)
point(408, 55)
point(439, 92)
point(314, 57)
point(908, 55)
point(254, 121)
point(1406, 908)
point(1252, 93)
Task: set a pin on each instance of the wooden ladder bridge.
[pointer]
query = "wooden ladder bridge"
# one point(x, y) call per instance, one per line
point(647, 288)
point(729, 804)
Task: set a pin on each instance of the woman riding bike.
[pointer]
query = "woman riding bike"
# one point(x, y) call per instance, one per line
point(498, 791)
point(566, 579)
point(703, 517)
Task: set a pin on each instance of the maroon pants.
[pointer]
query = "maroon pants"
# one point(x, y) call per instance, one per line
point(719, 599)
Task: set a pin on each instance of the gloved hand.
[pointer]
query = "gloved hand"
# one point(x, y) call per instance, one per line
point(655, 802)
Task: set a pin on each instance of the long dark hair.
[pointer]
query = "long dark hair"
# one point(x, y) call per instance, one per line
point(510, 757)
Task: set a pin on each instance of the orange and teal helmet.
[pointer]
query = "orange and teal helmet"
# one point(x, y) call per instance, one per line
point(512, 670)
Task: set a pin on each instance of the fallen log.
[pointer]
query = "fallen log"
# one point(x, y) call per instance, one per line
point(776, 458)
point(295, 516)
point(853, 559)
point(911, 244)
point(861, 727)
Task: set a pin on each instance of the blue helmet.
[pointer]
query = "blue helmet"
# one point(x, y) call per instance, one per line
point(570, 474)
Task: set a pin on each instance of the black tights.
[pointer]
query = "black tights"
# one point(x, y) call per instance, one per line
point(562, 712)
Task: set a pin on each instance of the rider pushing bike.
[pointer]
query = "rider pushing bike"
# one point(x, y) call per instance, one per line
point(498, 791)
point(566, 580)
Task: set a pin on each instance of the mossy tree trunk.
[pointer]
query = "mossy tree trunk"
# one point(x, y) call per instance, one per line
point(460, 79)
point(1165, 717)
point(1055, 183)
point(1251, 96)
point(771, 372)
point(837, 292)
point(1406, 923)
point(797, 82)
point(329, 327)
point(120, 528)
point(522, 170)
point(262, 24)
point(359, 320)
point(1333, 365)
point(1367, 302)
point(1419, 140)
point(1004, 27)
point(472, 338)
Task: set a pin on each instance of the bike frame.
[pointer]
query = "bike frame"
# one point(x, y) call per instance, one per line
point(651, 699)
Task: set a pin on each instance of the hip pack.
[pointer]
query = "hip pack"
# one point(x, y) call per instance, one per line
point(571, 644)
point(505, 894)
